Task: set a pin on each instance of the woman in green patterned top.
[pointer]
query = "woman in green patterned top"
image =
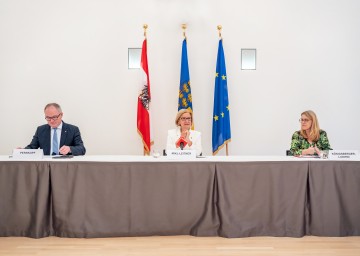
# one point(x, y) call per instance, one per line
point(310, 139)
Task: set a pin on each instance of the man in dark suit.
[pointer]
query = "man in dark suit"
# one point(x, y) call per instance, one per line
point(48, 136)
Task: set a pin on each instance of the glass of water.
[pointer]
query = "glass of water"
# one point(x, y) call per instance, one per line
point(155, 153)
point(324, 154)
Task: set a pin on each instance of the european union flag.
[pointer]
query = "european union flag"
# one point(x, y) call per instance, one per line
point(185, 98)
point(221, 118)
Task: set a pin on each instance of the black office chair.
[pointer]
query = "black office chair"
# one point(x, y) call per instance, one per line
point(289, 153)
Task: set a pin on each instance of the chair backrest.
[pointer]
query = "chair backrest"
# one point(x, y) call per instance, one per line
point(288, 152)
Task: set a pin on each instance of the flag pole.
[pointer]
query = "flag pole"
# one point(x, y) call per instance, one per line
point(145, 26)
point(183, 26)
point(219, 27)
point(144, 98)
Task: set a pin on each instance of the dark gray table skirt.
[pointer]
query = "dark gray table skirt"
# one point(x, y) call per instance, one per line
point(25, 202)
point(334, 198)
point(262, 198)
point(133, 199)
point(239, 199)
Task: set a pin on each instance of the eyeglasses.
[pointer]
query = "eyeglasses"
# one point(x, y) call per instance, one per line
point(54, 118)
point(185, 118)
point(303, 120)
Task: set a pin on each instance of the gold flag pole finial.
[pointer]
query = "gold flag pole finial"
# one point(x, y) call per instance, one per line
point(219, 27)
point(145, 27)
point(183, 26)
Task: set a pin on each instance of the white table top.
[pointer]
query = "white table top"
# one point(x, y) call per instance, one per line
point(137, 158)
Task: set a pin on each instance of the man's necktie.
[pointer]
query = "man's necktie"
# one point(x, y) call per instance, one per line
point(55, 144)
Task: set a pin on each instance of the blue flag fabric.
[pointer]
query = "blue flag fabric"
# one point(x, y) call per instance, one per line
point(185, 98)
point(221, 118)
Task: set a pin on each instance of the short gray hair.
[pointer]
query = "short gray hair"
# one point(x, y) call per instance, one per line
point(57, 106)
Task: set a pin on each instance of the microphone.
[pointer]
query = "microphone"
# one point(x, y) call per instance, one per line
point(181, 143)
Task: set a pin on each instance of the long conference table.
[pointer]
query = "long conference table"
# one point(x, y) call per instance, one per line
point(108, 196)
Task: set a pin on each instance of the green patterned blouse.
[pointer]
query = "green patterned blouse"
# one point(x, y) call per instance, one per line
point(298, 143)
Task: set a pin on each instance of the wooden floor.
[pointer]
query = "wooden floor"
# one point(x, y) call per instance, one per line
point(182, 245)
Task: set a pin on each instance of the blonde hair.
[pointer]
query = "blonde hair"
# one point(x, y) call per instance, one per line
point(180, 113)
point(314, 133)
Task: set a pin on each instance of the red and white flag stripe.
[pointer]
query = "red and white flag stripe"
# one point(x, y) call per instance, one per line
point(144, 99)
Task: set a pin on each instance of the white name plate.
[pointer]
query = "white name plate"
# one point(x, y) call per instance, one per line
point(343, 154)
point(181, 154)
point(28, 154)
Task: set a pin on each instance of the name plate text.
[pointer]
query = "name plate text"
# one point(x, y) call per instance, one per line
point(181, 154)
point(343, 154)
point(27, 154)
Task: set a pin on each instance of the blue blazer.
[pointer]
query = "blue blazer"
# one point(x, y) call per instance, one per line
point(70, 136)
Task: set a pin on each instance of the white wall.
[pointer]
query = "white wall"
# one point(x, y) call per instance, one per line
point(75, 53)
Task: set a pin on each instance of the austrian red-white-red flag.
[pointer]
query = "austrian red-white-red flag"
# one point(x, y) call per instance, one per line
point(144, 99)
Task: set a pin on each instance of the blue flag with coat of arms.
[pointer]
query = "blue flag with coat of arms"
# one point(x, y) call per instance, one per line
point(185, 97)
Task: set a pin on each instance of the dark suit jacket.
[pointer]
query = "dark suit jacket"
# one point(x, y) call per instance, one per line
point(70, 136)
